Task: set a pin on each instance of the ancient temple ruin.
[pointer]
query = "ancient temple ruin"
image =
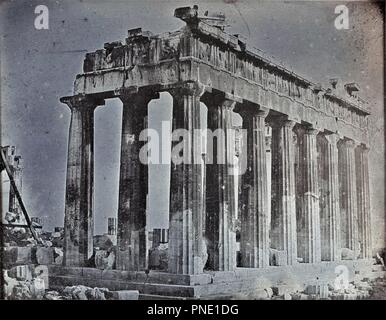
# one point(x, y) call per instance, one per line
point(319, 146)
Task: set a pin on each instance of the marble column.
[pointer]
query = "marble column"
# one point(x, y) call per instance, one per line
point(220, 207)
point(254, 215)
point(78, 217)
point(283, 219)
point(348, 195)
point(133, 184)
point(187, 252)
point(308, 218)
point(329, 202)
point(364, 221)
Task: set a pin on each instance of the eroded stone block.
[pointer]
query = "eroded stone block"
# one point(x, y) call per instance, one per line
point(125, 295)
point(277, 257)
point(45, 255)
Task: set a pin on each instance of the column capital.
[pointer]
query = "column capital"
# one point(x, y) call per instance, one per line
point(365, 148)
point(311, 131)
point(282, 121)
point(332, 138)
point(144, 94)
point(215, 99)
point(351, 144)
point(306, 130)
point(188, 88)
point(247, 109)
point(82, 101)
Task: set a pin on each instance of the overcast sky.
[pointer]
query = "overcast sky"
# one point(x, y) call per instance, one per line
point(39, 66)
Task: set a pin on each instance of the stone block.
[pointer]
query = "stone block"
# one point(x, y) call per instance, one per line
point(277, 257)
point(96, 293)
point(287, 296)
point(104, 260)
point(141, 276)
point(38, 288)
point(200, 279)
point(124, 295)
point(44, 255)
point(41, 272)
point(22, 272)
point(58, 256)
point(324, 292)
point(281, 290)
point(350, 296)
point(76, 292)
point(347, 254)
point(70, 271)
point(223, 276)
point(158, 258)
point(17, 256)
point(112, 275)
point(269, 292)
point(91, 273)
point(123, 259)
point(321, 290)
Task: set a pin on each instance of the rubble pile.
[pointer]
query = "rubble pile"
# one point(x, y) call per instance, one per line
point(358, 290)
point(25, 282)
point(21, 237)
point(87, 293)
point(291, 288)
point(17, 236)
point(84, 293)
point(25, 260)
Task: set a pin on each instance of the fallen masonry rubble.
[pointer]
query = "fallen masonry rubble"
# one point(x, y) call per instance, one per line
point(361, 290)
point(87, 293)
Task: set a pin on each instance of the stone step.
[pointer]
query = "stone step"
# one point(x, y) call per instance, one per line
point(114, 285)
point(154, 289)
point(138, 276)
point(230, 288)
point(218, 297)
point(242, 281)
point(159, 297)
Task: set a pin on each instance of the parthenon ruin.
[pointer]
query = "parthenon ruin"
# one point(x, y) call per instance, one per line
point(319, 186)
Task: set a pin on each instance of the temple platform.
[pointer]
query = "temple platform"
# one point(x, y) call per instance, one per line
point(216, 285)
